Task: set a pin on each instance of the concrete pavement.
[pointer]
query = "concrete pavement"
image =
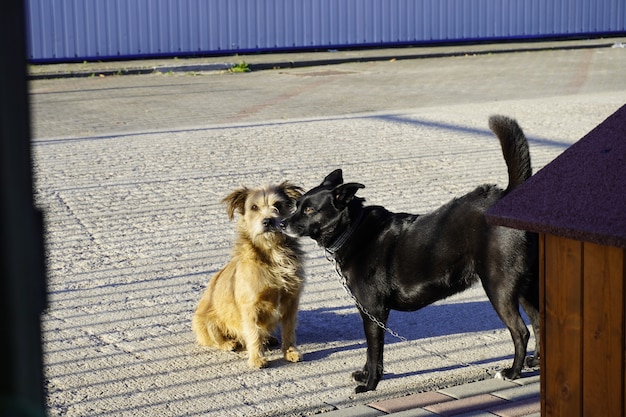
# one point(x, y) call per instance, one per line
point(130, 171)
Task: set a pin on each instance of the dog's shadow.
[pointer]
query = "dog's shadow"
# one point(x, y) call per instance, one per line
point(327, 325)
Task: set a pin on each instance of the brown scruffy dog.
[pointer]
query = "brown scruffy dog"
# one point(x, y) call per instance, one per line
point(260, 287)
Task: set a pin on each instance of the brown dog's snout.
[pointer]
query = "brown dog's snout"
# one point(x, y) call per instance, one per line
point(268, 222)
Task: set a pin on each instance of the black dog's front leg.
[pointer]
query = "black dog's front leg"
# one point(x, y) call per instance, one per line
point(373, 370)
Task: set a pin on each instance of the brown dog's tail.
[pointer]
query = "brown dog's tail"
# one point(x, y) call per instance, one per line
point(514, 148)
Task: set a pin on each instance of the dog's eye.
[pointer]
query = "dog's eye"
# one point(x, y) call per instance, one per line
point(308, 211)
point(254, 207)
point(278, 206)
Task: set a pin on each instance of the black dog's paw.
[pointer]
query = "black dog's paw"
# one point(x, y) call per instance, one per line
point(532, 361)
point(360, 389)
point(507, 374)
point(360, 376)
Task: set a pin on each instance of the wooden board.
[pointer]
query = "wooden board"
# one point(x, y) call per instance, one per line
point(603, 335)
point(583, 334)
point(562, 344)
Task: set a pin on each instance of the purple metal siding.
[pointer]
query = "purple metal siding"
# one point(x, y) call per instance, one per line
point(61, 30)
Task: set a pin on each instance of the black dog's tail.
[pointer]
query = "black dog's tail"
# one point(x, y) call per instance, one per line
point(514, 148)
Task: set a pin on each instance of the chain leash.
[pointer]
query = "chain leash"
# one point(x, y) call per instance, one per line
point(344, 284)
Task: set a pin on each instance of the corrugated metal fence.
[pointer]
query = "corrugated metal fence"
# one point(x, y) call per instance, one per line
point(66, 30)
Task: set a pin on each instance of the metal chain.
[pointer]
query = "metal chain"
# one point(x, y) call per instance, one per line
point(344, 283)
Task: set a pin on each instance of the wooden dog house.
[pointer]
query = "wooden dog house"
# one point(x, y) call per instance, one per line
point(577, 204)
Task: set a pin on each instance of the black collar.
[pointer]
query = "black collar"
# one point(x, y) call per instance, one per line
point(343, 238)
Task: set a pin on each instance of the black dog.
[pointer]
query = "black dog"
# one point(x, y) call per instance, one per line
point(406, 261)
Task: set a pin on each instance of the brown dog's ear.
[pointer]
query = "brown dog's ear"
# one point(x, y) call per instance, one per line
point(236, 201)
point(345, 193)
point(292, 191)
point(333, 179)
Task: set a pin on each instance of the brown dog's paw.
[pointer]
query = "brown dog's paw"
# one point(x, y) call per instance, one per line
point(292, 354)
point(257, 362)
point(230, 345)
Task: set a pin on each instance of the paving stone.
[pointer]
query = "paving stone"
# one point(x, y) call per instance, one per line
point(532, 379)
point(478, 413)
point(520, 392)
point(356, 411)
point(518, 408)
point(466, 405)
point(410, 401)
point(477, 388)
point(415, 412)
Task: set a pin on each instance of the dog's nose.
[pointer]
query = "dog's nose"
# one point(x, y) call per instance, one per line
point(267, 222)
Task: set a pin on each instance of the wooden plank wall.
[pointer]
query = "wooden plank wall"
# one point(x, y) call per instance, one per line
point(583, 328)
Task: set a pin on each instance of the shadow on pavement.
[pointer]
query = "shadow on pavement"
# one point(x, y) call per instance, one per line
point(325, 325)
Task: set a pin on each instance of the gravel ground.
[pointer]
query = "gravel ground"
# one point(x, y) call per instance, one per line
point(130, 171)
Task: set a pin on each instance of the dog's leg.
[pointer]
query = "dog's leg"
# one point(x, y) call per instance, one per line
point(254, 340)
point(507, 308)
point(529, 300)
point(373, 370)
point(520, 336)
point(289, 317)
point(532, 311)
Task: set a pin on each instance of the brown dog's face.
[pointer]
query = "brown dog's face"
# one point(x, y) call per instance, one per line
point(263, 209)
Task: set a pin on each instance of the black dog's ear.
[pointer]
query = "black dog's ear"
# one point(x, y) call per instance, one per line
point(292, 191)
point(333, 179)
point(236, 201)
point(344, 193)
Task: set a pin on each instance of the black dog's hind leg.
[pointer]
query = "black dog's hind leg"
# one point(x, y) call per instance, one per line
point(507, 307)
point(373, 370)
point(532, 311)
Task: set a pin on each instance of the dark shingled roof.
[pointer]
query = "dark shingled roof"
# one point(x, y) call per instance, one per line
point(580, 195)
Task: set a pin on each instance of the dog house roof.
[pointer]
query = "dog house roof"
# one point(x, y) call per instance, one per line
point(580, 195)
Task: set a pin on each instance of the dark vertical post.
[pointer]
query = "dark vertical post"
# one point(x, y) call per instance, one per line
point(22, 272)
